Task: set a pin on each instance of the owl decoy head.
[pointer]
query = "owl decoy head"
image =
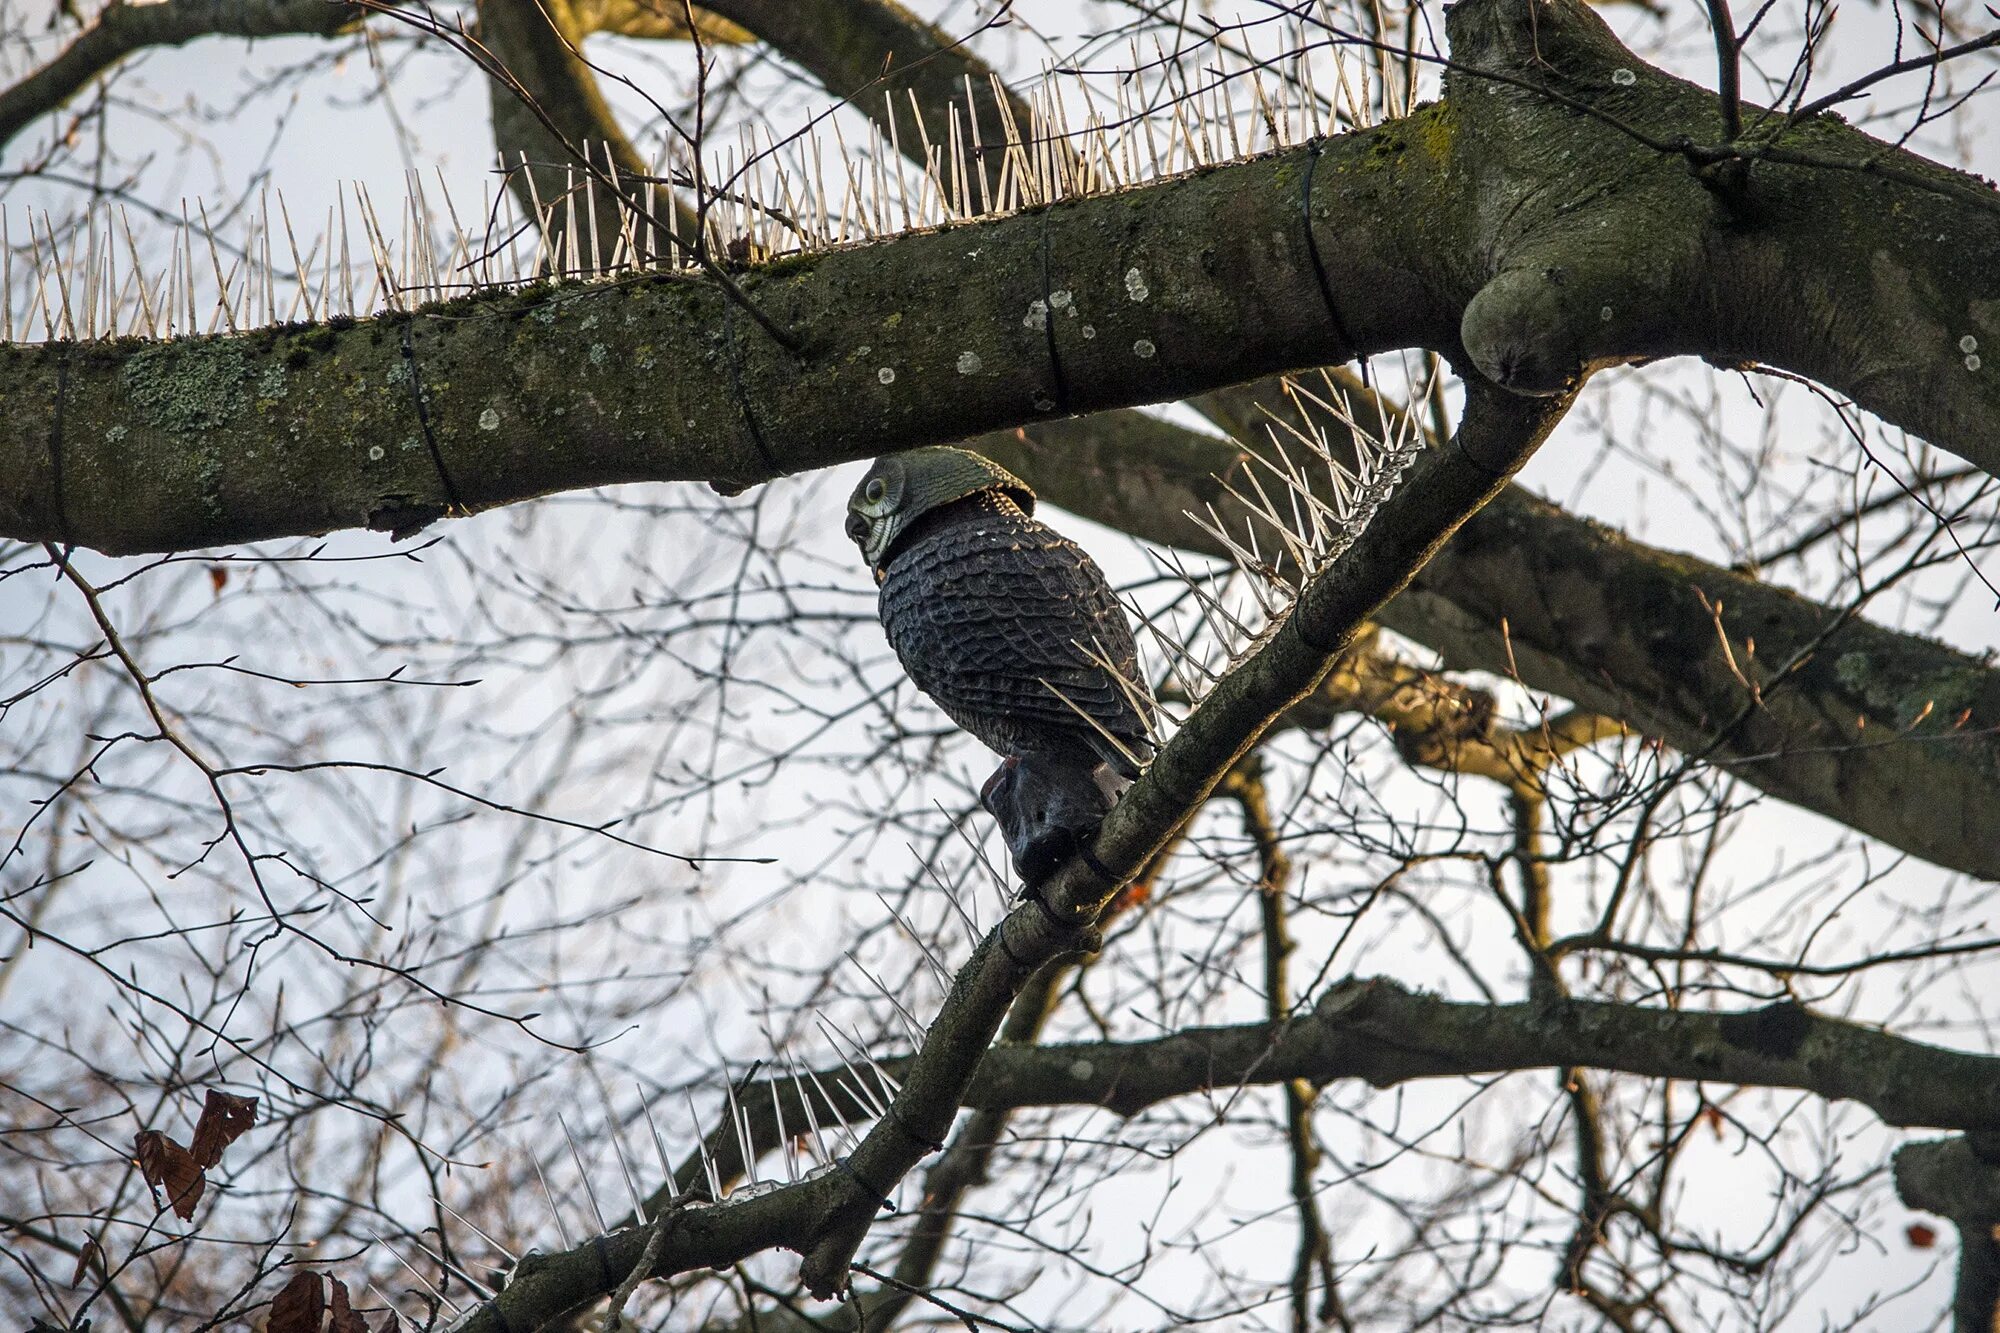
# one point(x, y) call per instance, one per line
point(902, 488)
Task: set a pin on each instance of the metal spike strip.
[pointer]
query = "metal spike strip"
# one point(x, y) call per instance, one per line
point(1170, 114)
point(888, 1087)
point(672, 1184)
point(856, 1086)
point(450, 1268)
point(612, 1132)
point(912, 1028)
point(583, 1175)
point(938, 970)
point(740, 1128)
point(784, 1143)
point(1180, 651)
point(389, 1304)
point(477, 1230)
point(1135, 694)
point(848, 1135)
point(821, 1156)
point(549, 1194)
point(429, 1286)
point(968, 919)
point(701, 1149)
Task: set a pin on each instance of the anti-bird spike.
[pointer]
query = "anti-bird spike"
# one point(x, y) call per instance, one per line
point(986, 152)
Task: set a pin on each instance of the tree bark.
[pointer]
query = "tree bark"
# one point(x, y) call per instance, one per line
point(1380, 1032)
point(1890, 733)
point(1500, 226)
point(1949, 1177)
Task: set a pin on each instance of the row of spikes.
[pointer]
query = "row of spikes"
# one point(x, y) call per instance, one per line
point(1309, 507)
point(95, 276)
point(1303, 504)
point(855, 1076)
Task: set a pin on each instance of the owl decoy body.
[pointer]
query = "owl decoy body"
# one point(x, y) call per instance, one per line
point(995, 615)
point(1008, 626)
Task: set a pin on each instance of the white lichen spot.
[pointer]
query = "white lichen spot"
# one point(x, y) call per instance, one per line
point(1088, 331)
point(1037, 316)
point(598, 354)
point(115, 434)
point(1135, 285)
point(1144, 349)
point(376, 453)
point(1605, 314)
point(489, 419)
point(1968, 344)
point(1081, 1069)
point(1972, 362)
point(590, 321)
point(862, 351)
point(1624, 78)
point(1044, 403)
point(969, 363)
point(1060, 300)
point(886, 374)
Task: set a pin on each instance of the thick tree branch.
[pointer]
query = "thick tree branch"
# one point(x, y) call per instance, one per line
point(1585, 595)
point(1890, 733)
point(211, 440)
point(879, 56)
point(553, 130)
point(656, 20)
point(194, 442)
point(828, 1215)
point(1377, 1031)
point(1949, 1177)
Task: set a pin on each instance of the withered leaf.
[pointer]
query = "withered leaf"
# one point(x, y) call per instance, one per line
point(86, 1256)
point(298, 1307)
point(218, 578)
point(343, 1318)
point(1920, 1236)
point(224, 1118)
point(166, 1165)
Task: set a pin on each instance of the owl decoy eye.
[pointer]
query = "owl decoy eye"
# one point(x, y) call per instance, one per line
point(875, 490)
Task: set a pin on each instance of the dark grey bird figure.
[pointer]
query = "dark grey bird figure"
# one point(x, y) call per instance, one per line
point(1009, 627)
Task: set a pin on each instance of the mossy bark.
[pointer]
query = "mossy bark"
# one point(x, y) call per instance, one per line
point(1504, 215)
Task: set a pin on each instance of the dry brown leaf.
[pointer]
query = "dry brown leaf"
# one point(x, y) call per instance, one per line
point(298, 1307)
point(223, 1120)
point(167, 1165)
point(1920, 1236)
point(342, 1317)
point(85, 1257)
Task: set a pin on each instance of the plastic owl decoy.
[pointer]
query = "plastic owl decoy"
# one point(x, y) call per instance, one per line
point(1012, 630)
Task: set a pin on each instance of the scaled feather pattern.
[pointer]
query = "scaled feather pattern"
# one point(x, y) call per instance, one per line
point(992, 612)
